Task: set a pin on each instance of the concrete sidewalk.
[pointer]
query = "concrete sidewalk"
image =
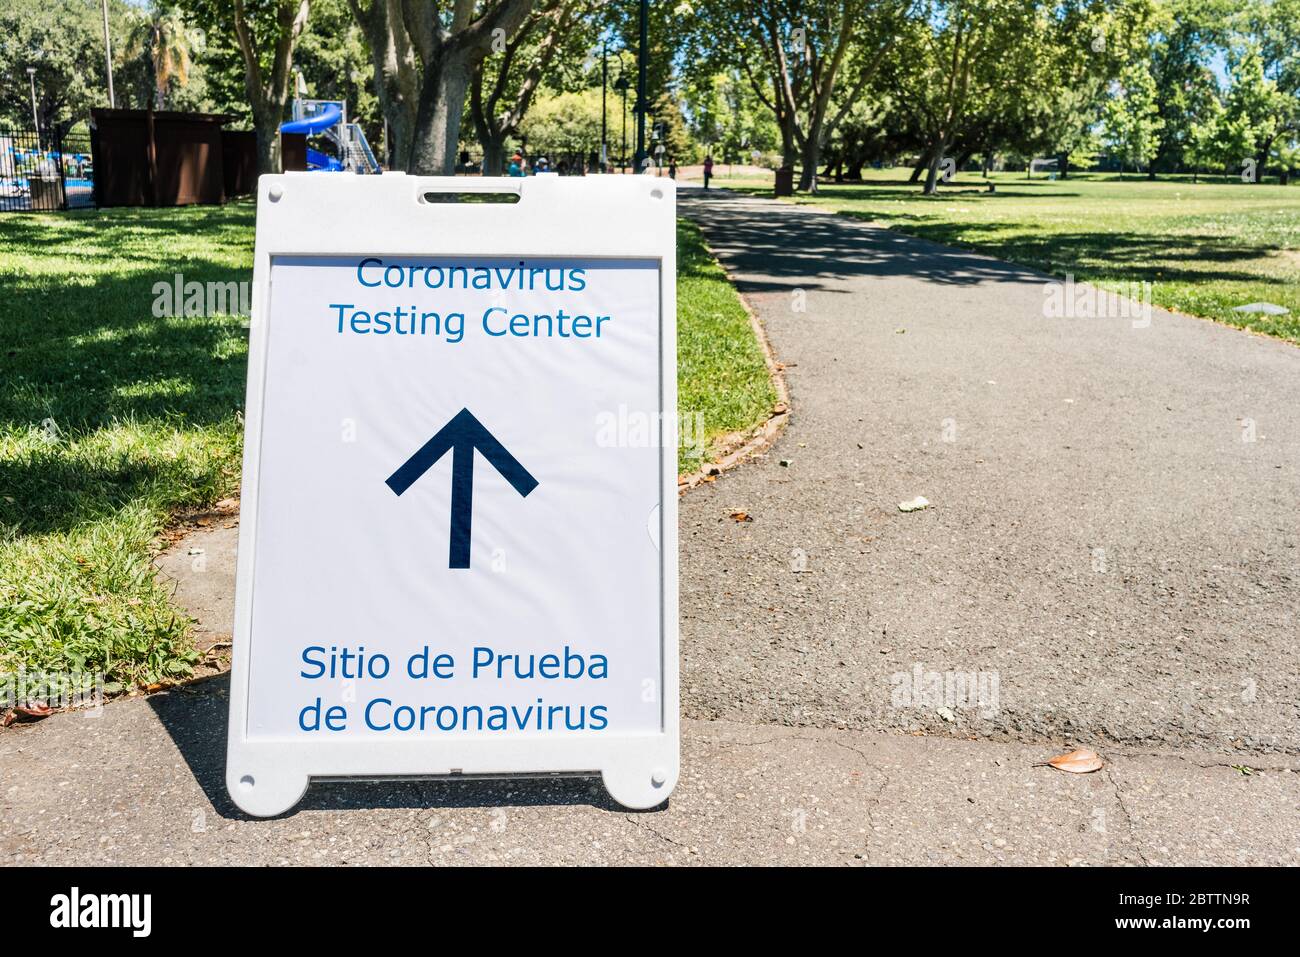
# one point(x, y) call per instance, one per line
point(1106, 561)
point(143, 783)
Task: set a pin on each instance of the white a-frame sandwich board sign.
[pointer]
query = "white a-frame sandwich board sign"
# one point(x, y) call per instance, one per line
point(458, 541)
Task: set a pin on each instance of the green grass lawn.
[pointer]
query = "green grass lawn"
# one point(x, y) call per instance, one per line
point(722, 380)
point(1204, 247)
point(112, 420)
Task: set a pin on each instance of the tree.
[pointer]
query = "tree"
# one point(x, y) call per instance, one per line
point(330, 53)
point(861, 137)
point(266, 32)
point(63, 41)
point(1132, 121)
point(806, 62)
point(709, 107)
point(961, 61)
point(424, 53)
point(669, 131)
point(503, 84)
point(1286, 154)
point(1203, 146)
point(564, 124)
point(333, 58)
point(1093, 41)
point(1275, 26)
point(1183, 39)
point(1249, 123)
point(167, 43)
point(726, 119)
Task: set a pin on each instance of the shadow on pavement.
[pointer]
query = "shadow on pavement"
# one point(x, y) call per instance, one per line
point(795, 248)
point(196, 718)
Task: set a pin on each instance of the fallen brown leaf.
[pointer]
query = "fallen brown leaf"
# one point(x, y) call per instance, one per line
point(1081, 761)
point(37, 710)
point(741, 517)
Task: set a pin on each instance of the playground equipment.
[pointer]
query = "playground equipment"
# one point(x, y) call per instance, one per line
point(328, 119)
point(1050, 164)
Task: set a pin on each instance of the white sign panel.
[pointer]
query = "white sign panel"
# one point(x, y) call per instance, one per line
point(458, 539)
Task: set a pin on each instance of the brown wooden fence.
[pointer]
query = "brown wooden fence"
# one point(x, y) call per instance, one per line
point(148, 158)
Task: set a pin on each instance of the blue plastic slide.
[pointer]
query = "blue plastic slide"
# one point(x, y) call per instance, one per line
point(318, 160)
point(314, 124)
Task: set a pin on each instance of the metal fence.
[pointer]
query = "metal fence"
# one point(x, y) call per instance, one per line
point(45, 171)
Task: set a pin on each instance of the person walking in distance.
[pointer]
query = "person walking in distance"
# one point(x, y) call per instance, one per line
point(708, 170)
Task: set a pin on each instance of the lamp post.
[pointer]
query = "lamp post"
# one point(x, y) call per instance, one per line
point(621, 85)
point(36, 120)
point(642, 65)
point(108, 58)
point(604, 86)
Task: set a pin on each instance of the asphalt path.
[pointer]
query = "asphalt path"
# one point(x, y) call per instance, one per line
point(1115, 507)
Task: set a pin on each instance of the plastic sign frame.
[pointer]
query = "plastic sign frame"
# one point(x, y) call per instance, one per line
point(338, 216)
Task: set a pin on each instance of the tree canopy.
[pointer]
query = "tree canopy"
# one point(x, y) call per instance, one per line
point(941, 86)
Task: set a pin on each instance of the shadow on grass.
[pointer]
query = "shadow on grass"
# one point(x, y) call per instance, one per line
point(80, 346)
point(57, 494)
point(799, 249)
point(196, 718)
point(1097, 254)
point(48, 231)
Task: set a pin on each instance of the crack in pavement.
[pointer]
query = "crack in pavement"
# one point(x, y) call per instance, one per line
point(1128, 816)
point(635, 820)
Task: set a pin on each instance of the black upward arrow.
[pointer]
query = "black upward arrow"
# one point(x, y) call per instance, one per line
point(463, 434)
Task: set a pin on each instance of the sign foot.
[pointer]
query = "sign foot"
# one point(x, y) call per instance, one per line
point(639, 788)
point(265, 792)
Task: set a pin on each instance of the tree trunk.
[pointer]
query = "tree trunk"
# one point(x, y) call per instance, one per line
point(494, 153)
point(396, 76)
point(1261, 160)
point(789, 152)
point(437, 121)
point(401, 130)
point(809, 158)
point(269, 158)
point(932, 173)
point(268, 94)
point(1065, 165)
point(922, 165)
